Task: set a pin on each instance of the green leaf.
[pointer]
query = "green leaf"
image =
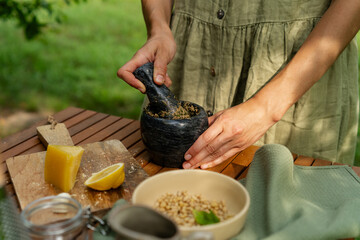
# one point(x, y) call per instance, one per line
point(47, 7)
point(32, 28)
point(205, 218)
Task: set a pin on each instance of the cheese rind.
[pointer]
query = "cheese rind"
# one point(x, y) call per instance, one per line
point(61, 165)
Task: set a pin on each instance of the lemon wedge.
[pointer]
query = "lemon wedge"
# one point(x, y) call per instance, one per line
point(110, 177)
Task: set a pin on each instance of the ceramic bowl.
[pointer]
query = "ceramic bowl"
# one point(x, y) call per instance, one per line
point(167, 140)
point(212, 186)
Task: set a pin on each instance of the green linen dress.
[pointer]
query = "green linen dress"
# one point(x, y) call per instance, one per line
point(227, 50)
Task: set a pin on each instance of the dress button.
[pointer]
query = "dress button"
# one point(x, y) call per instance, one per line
point(212, 71)
point(220, 14)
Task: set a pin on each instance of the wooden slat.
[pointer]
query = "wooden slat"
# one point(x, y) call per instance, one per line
point(320, 162)
point(17, 138)
point(137, 148)
point(143, 159)
point(37, 148)
point(125, 132)
point(241, 163)
point(93, 129)
point(132, 139)
point(223, 165)
point(152, 168)
point(245, 157)
point(356, 170)
point(79, 127)
point(107, 131)
point(304, 161)
point(22, 147)
point(295, 156)
point(233, 170)
point(336, 163)
point(78, 118)
point(244, 173)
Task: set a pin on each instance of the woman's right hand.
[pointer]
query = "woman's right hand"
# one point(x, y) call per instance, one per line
point(160, 49)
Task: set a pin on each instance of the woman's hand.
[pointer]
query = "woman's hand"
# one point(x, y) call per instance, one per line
point(160, 49)
point(230, 131)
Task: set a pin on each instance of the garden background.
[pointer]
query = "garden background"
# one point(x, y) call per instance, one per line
point(73, 64)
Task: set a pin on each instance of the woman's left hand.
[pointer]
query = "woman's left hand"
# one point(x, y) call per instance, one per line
point(230, 131)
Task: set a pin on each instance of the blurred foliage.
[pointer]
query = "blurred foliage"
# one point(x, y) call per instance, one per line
point(73, 63)
point(33, 15)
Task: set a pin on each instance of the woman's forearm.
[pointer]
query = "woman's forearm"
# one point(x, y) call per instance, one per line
point(159, 48)
point(325, 43)
point(157, 15)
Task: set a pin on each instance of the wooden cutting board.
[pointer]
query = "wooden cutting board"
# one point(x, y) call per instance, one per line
point(27, 172)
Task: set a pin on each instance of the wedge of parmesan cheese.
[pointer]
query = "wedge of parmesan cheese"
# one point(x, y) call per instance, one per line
point(61, 165)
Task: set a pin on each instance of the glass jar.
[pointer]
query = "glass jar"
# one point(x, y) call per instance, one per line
point(55, 217)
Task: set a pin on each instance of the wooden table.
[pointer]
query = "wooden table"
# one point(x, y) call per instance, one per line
point(87, 126)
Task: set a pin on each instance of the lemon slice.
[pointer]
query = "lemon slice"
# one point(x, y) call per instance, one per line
point(110, 177)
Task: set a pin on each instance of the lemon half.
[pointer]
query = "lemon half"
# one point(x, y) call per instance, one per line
point(110, 177)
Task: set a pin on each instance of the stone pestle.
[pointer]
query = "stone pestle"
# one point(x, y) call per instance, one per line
point(162, 100)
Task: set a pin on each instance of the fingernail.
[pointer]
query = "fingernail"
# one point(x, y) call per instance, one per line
point(204, 166)
point(187, 165)
point(187, 157)
point(159, 79)
point(141, 89)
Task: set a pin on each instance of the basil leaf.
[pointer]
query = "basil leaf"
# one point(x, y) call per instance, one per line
point(205, 218)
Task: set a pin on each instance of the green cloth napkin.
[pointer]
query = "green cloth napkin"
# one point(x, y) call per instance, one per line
point(298, 202)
